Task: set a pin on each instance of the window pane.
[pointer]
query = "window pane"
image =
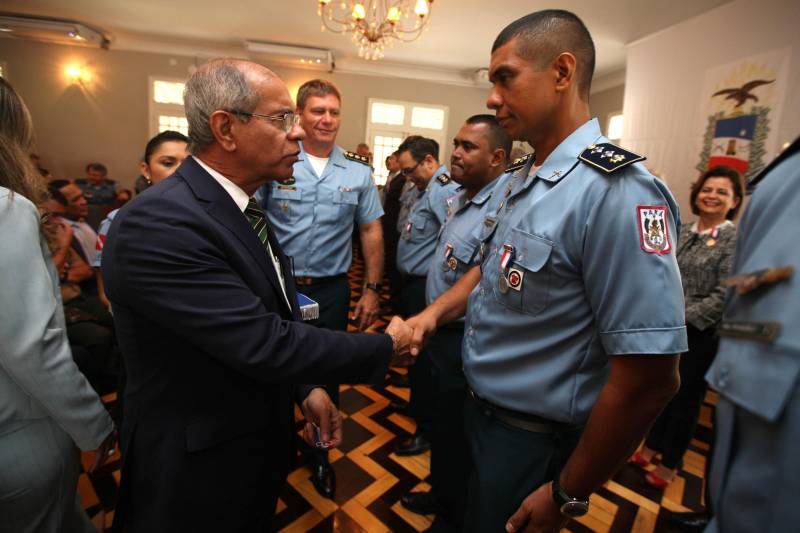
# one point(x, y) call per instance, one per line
point(168, 92)
point(615, 124)
point(382, 146)
point(174, 123)
point(427, 117)
point(382, 113)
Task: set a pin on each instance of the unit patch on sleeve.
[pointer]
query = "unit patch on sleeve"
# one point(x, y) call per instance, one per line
point(653, 229)
point(608, 157)
point(444, 179)
point(352, 156)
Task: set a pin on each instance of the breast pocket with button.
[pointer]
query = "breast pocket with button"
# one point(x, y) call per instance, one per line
point(529, 273)
point(464, 251)
point(421, 228)
point(346, 203)
point(284, 203)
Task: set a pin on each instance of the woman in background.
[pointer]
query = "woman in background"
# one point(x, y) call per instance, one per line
point(46, 405)
point(704, 253)
point(163, 154)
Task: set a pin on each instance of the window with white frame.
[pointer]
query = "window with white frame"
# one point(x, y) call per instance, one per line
point(391, 121)
point(166, 105)
point(615, 123)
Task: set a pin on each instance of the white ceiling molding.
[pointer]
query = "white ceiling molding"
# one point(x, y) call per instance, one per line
point(608, 81)
point(135, 42)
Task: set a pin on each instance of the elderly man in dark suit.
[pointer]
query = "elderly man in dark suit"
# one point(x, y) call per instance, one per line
point(207, 316)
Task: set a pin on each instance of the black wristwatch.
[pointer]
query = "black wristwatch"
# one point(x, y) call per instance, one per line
point(569, 507)
point(374, 286)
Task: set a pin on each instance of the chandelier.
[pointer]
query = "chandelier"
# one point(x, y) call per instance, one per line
point(375, 24)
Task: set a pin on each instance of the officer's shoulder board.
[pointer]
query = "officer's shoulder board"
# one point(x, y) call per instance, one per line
point(443, 179)
point(608, 157)
point(519, 162)
point(352, 156)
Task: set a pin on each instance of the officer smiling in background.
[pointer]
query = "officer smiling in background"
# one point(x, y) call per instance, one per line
point(313, 214)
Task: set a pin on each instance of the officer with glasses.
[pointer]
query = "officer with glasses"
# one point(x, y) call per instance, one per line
point(313, 214)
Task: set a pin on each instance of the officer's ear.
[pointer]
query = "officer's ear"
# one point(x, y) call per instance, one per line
point(222, 126)
point(498, 158)
point(564, 67)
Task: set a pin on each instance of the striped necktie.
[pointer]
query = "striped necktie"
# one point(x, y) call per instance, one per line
point(257, 220)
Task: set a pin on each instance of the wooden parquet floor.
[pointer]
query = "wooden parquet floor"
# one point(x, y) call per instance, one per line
point(371, 478)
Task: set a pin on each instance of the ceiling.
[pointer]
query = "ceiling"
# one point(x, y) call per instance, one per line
point(459, 36)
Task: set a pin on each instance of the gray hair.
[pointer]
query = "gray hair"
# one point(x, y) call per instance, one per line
point(219, 84)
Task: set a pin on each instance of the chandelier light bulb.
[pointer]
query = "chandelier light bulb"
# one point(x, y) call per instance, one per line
point(359, 12)
point(393, 15)
point(421, 9)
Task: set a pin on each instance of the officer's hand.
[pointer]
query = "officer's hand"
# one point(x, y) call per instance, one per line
point(367, 309)
point(105, 451)
point(424, 326)
point(538, 513)
point(319, 410)
point(400, 332)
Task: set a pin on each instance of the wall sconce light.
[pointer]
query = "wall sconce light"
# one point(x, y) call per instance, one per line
point(78, 74)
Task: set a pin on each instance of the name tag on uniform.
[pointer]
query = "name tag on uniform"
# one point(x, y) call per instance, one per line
point(756, 331)
point(287, 188)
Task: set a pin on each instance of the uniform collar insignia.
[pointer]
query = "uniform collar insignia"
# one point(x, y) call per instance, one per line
point(352, 156)
point(519, 163)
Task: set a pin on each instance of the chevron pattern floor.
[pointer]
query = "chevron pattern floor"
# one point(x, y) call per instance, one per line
point(371, 478)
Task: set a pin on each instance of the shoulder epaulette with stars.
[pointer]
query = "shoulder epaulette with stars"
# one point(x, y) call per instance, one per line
point(352, 156)
point(444, 179)
point(519, 163)
point(608, 157)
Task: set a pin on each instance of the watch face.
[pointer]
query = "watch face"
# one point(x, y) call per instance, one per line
point(574, 508)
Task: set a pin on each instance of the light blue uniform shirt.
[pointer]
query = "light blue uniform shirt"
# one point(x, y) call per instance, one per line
point(754, 477)
point(101, 237)
point(313, 216)
point(418, 237)
point(587, 288)
point(456, 248)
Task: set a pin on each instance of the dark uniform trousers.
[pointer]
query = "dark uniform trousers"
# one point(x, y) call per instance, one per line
point(333, 297)
point(451, 463)
point(508, 464)
point(673, 430)
point(412, 301)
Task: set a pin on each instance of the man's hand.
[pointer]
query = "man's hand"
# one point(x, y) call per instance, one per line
point(424, 325)
point(105, 451)
point(401, 333)
point(319, 410)
point(367, 309)
point(63, 234)
point(538, 513)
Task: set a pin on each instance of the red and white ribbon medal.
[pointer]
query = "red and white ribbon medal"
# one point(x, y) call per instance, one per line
point(505, 260)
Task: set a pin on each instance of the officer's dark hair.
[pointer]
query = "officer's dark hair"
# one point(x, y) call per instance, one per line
point(498, 138)
point(316, 87)
point(161, 138)
point(543, 35)
point(737, 184)
point(419, 147)
point(54, 190)
point(97, 167)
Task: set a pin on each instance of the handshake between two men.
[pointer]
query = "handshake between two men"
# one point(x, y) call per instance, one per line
point(323, 422)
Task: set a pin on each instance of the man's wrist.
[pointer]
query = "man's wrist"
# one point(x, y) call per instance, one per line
point(375, 287)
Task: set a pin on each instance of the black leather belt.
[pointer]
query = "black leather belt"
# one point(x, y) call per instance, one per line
point(308, 280)
point(523, 421)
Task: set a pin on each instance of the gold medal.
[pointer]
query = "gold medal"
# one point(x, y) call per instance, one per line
point(452, 264)
point(711, 242)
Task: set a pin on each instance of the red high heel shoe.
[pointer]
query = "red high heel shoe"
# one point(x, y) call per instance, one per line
point(656, 481)
point(638, 459)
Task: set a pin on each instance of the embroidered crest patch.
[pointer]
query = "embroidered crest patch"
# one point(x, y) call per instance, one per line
point(653, 229)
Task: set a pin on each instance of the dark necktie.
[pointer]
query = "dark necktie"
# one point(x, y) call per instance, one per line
point(257, 220)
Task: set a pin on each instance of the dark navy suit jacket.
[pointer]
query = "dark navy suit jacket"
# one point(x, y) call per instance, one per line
point(212, 351)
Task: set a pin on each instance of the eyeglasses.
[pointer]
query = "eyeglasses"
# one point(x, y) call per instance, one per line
point(289, 119)
point(408, 171)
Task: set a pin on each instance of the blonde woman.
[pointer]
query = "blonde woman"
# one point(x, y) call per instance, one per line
point(47, 408)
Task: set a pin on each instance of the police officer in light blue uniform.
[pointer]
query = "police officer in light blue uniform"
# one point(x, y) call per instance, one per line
point(313, 214)
point(436, 192)
point(480, 152)
point(755, 475)
point(573, 332)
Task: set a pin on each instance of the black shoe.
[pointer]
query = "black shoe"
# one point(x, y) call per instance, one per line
point(690, 521)
point(399, 407)
point(414, 445)
point(420, 502)
point(324, 479)
point(399, 380)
